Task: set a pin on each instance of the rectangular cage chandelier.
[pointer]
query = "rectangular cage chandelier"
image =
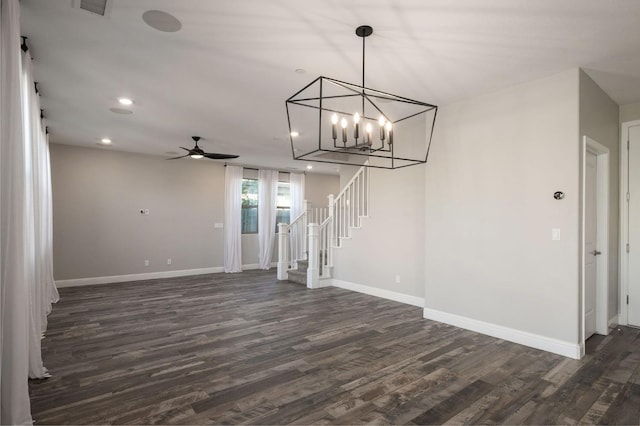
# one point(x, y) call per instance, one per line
point(332, 121)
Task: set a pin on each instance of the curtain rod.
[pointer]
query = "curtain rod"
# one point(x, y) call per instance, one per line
point(264, 168)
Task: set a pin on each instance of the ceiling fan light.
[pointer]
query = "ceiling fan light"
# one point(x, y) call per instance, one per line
point(196, 156)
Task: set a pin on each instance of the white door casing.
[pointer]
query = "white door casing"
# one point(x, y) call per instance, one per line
point(633, 236)
point(590, 244)
point(599, 269)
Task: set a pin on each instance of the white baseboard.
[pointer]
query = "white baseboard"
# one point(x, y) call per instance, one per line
point(374, 291)
point(147, 276)
point(556, 346)
point(322, 283)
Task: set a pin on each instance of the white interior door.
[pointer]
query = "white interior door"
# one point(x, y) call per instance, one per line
point(634, 227)
point(590, 244)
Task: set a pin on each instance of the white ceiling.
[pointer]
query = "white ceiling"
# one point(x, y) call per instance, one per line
point(226, 74)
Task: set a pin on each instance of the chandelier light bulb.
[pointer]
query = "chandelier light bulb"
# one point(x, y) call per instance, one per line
point(356, 127)
point(368, 127)
point(334, 127)
point(367, 138)
point(381, 121)
point(389, 127)
point(343, 124)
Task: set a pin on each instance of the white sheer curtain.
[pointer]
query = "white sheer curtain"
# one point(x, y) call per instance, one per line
point(296, 185)
point(42, 290)
point(232, 219)
point(14, 292)
point(268, 199)
point(27, 288)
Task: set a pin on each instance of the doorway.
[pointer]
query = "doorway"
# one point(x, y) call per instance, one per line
point(630, 224)
point(594, 239)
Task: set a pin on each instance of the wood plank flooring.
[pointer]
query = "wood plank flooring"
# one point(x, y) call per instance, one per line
point(244, 348)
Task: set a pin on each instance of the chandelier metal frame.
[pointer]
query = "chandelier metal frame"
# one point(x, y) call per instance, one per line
point(365, 147)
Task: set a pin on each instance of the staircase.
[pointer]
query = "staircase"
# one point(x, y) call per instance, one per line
point(306, 246)
point(299, 275)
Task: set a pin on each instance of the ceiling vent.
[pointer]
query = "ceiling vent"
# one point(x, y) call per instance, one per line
point(96, 7)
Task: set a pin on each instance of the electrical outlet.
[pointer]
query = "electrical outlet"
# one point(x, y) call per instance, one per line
point(397, 279)
point(146, 262)
point(169, 261)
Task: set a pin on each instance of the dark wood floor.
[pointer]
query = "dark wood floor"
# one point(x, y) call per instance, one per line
point(243, 348)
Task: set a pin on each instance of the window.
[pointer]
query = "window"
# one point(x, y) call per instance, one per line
point(250, 203)
point(249, 206)
point(283, 206)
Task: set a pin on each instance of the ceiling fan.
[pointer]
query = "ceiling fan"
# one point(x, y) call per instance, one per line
point(197, 152)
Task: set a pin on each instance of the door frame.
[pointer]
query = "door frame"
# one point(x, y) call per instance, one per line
point(602, 224)
point(623, 271)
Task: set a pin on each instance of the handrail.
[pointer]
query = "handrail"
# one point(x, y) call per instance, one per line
point(304, 238)
point(360, 171)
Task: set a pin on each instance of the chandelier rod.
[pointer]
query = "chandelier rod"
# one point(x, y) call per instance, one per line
point(363, 31)
point(364, 38)
point(363, 55)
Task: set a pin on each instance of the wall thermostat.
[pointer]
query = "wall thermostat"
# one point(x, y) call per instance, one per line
point(558, 195)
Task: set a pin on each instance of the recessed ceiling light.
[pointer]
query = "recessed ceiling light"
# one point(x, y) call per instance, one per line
point(121, 111)
point(309, 167)
point(295, 134)
point(125, 101)
point(301, 71)
point(161, 21)
point(105, 141)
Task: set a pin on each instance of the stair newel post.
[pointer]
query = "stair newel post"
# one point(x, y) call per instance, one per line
point(283, 252)
point(331, 232)
point(305, 224)
point(313, 271)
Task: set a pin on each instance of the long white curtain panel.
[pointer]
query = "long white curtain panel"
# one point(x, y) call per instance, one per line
point(27, 288)
point(267, 209)
point(233, 219)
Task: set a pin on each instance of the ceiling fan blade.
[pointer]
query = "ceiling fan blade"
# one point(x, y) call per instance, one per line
point(175, 158)
point(185, 149)
point(220, 156)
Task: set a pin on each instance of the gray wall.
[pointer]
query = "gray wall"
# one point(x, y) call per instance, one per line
point(629, 112)
point(318, 187)
point(494, 165)
point(391, 241)
point(97, 227)
point(99, 232)
point(599, 116)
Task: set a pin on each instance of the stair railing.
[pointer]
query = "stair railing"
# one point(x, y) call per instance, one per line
point(315, 233)
point(344, 214)
point(349, 206)
point(293, 242)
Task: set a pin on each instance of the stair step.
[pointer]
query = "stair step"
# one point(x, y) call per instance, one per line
point(297, 276)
